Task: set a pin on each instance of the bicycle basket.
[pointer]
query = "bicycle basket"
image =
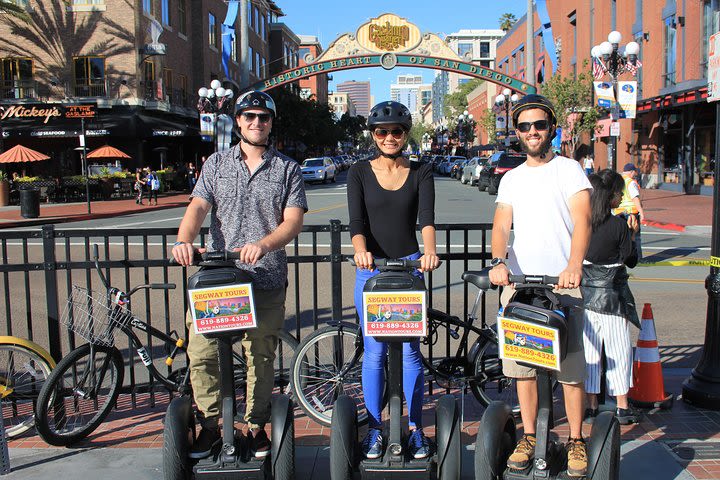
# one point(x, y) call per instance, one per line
point(94, 316)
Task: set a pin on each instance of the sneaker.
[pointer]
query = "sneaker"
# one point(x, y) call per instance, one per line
point(418, 445)
point(524, 452)
point(576, 457)
point(208, 439)
point(259, 443)
point(372, 446)
point(590, 414)
point(627, 416)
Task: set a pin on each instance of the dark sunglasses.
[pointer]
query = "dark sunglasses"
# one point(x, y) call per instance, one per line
point(540, 125)
point(263, 117)
point(395, 132)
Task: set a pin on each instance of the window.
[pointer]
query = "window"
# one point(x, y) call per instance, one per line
point(149, 78)
point(464, 48)
point(484, 49)
point(485, 63)
point(89, 76)
point(303, 52)
point(212, 30)
point(707, 31)
point(149, 7)
point(233, 48)
point(16, 78)
point(258, 63)
point(252, 19)
point(251, 59)
point(165, 11)
point(182, 17)
point(168, 84)
point(182, 90)
point(19, 3)
point(669, 51)
point(84, 2)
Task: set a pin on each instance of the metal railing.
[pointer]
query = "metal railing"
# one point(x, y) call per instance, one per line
point(18, 89)
point(96, 90)
point(39, 267)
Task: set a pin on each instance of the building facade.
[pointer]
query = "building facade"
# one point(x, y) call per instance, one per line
point(476, 46)
point(440, 88)
point(407, 90)
point(341, 103)
point(137, 64)
point(315, 87)
point(359, 92)
point(284, 52)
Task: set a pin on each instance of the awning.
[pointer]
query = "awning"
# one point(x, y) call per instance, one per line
point(106, 151)
point(20, 154)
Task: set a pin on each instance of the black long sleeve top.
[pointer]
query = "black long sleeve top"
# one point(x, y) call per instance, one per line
point(612, 243)
point(387, 218)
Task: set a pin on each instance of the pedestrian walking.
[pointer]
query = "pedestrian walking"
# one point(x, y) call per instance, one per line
point(589, 164)
point(153, 184)
point(139, 186)
point(630, 203)
point(191, 175)
point(609, 303)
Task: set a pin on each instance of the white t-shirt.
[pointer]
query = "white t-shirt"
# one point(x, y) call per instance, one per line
point(542, 223)
point(589, 163)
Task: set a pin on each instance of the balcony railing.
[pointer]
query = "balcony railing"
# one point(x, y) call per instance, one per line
point(175, 96)
point(96, 90)
point(18, 89)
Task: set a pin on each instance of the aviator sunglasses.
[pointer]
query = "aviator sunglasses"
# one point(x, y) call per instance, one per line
point(540, 125)
point(263, 117)
point(395, 132)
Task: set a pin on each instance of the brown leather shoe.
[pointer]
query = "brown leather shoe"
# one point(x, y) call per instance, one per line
point(524, 452)
point(577, 457)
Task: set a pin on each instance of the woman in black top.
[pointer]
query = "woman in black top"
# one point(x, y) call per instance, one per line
point(609, 304)
point(386, 196)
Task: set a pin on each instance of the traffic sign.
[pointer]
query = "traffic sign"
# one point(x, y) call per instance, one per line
point(615, 129)
point(714, 68)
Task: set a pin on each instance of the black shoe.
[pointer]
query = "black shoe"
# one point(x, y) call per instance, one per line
point(590, 414)
point(627, 416)
point(208, 439)
point(259, 443)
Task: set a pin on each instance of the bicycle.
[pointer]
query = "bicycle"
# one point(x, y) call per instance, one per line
point(328, 362)
point(24, 368)
point(82, 389)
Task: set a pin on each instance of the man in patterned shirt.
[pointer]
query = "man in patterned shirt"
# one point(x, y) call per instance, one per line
point(256, 200)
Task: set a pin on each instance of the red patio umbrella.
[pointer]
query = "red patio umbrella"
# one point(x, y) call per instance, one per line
point(20, 154)
point(106, 151)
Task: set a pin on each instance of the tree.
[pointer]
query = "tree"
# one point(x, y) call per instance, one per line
point(573, 100)
point(506, 21)
point(488, 122)
point(416, 135)
point(456, 102)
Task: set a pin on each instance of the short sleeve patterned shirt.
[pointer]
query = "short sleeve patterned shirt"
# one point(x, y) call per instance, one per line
point(246, 208)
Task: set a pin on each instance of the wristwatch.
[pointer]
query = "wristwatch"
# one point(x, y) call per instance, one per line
point(497, 261)
point(179, 243)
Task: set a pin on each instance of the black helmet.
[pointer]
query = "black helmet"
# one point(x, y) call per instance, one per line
point(385, 113)
point(534, 101)
point(255, 99)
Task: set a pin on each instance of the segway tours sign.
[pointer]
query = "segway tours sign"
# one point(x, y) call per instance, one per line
point(395, 314)
point(529, 343)
point(220, 309)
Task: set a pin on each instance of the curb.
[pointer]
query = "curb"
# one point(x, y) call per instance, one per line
point(665, 226)
point(84, 217)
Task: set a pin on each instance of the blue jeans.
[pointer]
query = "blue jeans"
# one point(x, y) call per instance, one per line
point(373, 371)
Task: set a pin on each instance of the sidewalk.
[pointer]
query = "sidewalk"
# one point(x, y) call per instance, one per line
point(676, 211)
point(682, 443)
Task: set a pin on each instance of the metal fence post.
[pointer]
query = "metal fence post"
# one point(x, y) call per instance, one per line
point(51, 291)
point(336, 268)
point(4, 454)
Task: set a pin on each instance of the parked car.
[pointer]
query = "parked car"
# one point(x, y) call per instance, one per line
point(471, 171)
point(498, 165)
point(319, 169)
point(447, 164)
point(457, 168)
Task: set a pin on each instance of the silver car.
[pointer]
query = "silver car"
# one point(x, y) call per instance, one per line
point(320, 169)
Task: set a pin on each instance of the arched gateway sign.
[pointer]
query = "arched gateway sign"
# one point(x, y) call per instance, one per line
point(389, 41)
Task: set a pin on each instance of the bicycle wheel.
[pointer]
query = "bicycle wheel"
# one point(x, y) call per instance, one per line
point(283, 359)
point(23, 372)
point(79, 394)
point(327, 364)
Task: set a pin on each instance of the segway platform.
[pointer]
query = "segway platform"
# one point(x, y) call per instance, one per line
point(231, 467)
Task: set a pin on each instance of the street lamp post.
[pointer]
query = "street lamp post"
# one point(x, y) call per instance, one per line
point(614, 64)
point(465, 119)
point(215, 100)
point(504, 101)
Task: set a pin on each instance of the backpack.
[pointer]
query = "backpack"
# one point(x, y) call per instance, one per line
point(155, 183)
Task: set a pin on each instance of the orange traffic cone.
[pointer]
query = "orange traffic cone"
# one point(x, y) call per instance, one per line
point(648, 390)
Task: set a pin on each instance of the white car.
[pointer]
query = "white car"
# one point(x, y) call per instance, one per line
point(320, 169)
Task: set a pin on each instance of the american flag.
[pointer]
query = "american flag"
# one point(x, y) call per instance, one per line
point(598, 69)
point(633, 68)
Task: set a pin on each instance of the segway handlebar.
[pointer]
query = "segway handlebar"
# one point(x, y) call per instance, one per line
point(394, 263)
point(534, 279)
point(221, 256)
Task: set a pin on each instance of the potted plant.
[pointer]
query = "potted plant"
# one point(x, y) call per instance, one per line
point(4, 189)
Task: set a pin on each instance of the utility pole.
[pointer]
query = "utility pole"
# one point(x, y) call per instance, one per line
point(244, 46)
point(530, 45)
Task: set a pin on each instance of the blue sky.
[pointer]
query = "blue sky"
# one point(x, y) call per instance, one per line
point(329, 19)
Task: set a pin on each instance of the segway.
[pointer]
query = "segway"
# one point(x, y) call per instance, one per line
point(524, 328)
point(395, 282)
point(233, 460)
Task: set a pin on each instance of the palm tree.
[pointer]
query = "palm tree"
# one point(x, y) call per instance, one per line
point(507, 20)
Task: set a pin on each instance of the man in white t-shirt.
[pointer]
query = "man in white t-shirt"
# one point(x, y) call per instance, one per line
point(547, 202)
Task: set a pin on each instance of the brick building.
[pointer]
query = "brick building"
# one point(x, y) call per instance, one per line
point(316, 86)
point(138, 63)
point(672, 139)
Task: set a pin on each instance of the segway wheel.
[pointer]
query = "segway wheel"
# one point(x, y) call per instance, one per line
point(343, 438)
point(495, 442)
point(283, 438)
point(178, 437)
point(449, 447)
point(604, 448)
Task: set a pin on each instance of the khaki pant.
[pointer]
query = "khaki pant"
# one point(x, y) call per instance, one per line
point(572, 368)
point(260, 345)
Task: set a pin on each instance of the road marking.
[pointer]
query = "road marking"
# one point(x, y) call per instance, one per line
point(676, 263)
point(121, 225)
point(667, 280)
point(324, 209)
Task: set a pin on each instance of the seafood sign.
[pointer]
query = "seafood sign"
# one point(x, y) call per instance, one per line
point(218, 309)
point(529, 343)
point(395, 314)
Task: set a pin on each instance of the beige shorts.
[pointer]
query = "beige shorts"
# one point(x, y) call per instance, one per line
point(572, 368)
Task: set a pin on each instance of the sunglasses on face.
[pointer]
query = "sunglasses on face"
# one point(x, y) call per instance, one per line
point(540, 125)
point(250, 117)
point(395, 132)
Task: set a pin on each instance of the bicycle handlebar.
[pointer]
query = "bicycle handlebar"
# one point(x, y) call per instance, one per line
point(534, 279)
point(103, 279)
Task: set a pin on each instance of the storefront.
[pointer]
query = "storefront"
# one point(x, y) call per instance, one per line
point(679, 131)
